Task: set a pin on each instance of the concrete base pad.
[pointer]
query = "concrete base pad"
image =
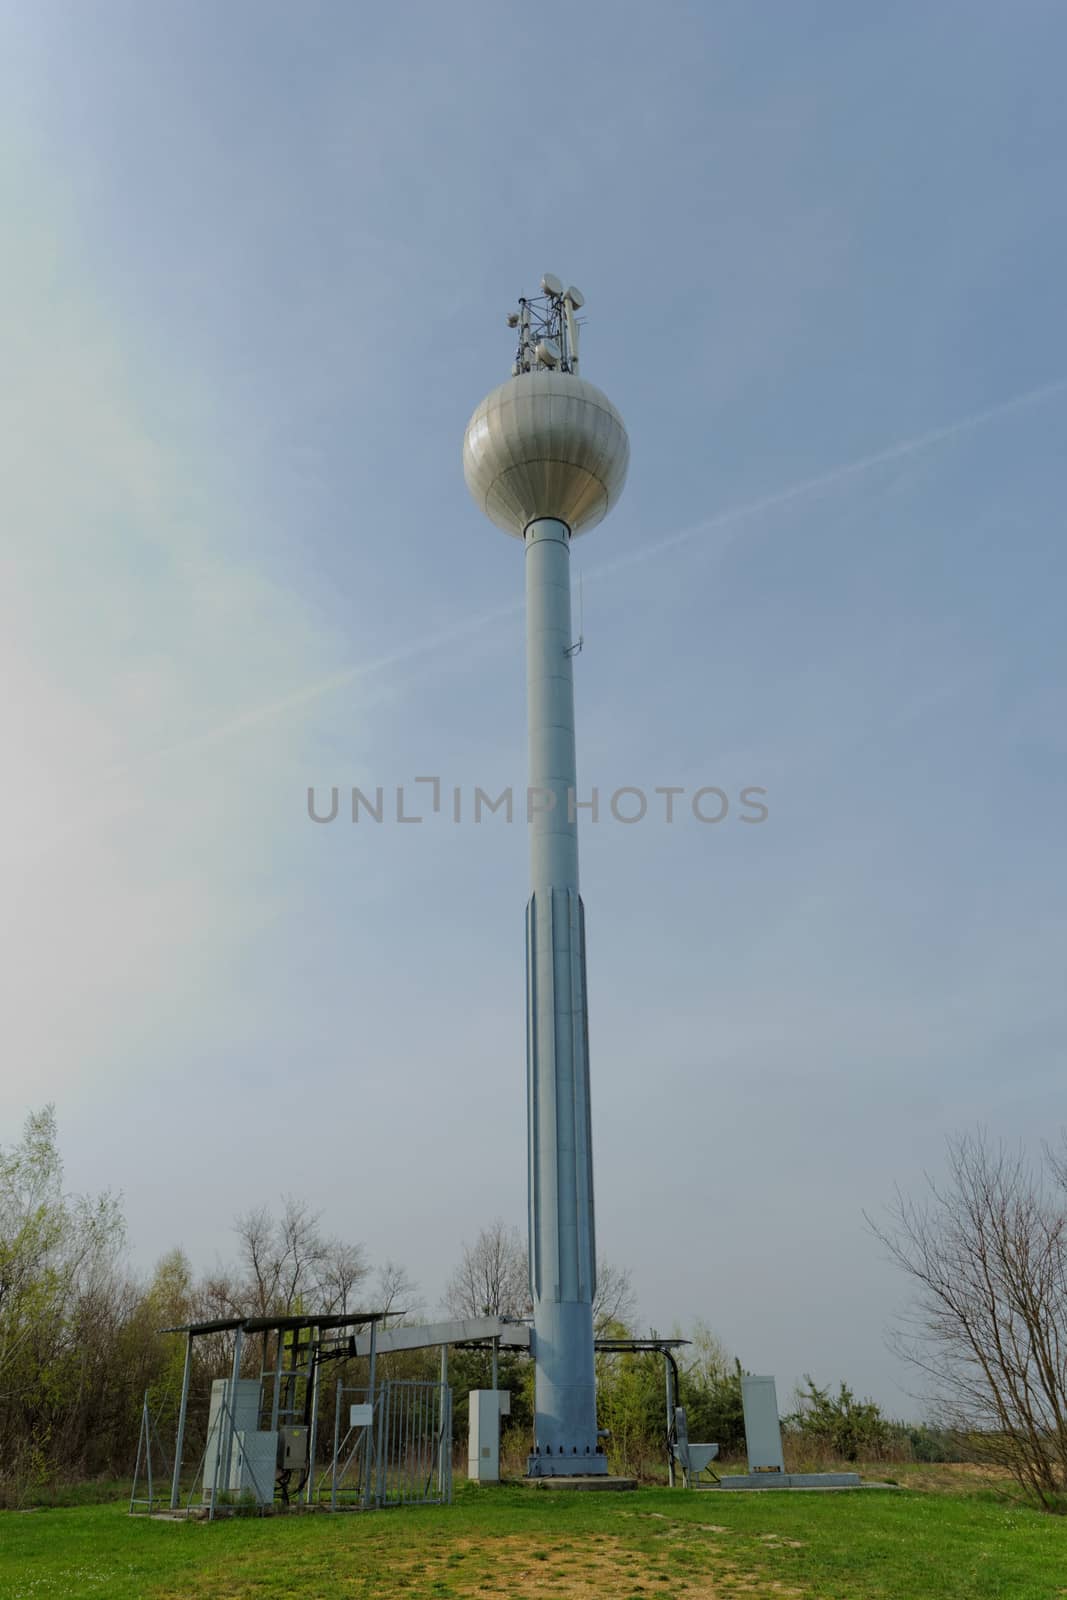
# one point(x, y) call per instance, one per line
point(792, 1480)
point(599, 1481)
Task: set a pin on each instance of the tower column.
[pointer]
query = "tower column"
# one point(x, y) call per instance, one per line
point(562, 1240)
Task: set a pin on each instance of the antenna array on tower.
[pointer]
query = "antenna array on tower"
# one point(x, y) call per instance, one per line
point(548, 328)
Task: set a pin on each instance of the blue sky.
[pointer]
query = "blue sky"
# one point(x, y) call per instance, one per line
point(257, 260)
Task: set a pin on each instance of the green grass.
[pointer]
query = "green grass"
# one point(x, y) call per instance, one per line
point(520, 1542)
point(92, 1492)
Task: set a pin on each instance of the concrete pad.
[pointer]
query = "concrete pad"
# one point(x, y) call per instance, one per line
point(593, 1481)
point(832, 1488)
point(792, 1480)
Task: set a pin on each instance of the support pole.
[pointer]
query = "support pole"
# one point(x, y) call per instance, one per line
point(222, 1412)
point(276, 1397)
point(148, 1448)
point(671, 1403)
point(368, 1433)
point(444, 1453)
point(235, 1375)
point(313, 1430)
point(383, 1444)
point(336, 1439)
point(176, 1480)
point(142, 1442)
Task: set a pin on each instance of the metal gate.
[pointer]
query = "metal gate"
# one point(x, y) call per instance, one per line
point(414, 1443)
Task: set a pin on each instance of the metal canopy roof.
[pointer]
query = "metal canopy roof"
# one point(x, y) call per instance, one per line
point(286, 1324)
point(475, 1331)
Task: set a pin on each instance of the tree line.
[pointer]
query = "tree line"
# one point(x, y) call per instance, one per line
point(81, 1341)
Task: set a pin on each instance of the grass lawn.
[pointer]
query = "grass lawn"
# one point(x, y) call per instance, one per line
point(953, 1538)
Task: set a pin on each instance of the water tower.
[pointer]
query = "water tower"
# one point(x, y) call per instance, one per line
point(545, 456)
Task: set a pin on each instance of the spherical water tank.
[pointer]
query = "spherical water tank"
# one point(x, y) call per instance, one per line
point(545, 444)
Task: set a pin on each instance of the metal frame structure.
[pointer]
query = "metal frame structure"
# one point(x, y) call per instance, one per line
point(149, 1432)
point(407, 1440)
point(293, 1350)
point(665, 1348)
point(548, 329)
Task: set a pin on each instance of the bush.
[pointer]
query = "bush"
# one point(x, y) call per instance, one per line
point(850, 1429)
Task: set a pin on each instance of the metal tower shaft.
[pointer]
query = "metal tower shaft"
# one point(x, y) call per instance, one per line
point(562, 1235)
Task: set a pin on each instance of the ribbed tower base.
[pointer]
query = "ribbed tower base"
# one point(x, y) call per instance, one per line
point(561, 1188)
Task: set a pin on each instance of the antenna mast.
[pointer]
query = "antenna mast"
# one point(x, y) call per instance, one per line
point(548, 329)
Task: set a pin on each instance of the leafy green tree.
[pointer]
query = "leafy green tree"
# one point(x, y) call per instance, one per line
point(59, 1289)
point(710, 1390)
point(851, 1429)
point(631, 1405)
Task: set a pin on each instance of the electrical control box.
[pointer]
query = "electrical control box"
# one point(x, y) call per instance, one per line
point(292, 1449)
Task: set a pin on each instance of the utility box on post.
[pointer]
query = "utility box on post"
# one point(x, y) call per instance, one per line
point(487, 1406)
point(763, 1431)
point(292, 1449)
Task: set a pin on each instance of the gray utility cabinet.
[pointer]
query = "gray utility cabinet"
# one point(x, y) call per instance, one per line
point(240, 1459)
point(763, 1432)
point(487, 1406)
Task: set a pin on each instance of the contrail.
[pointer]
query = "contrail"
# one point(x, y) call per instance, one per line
point(721, 519)
point(824, 480)
point(337, 680)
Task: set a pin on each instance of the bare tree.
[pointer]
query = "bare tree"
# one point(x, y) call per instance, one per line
point(614, 1304)
point(259, 1258)
point(394, 1291)
point(492, 1279)
point(344, 1268)
point(987, 1256)
point(287, 1262)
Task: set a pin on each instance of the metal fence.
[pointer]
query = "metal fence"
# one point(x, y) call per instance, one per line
point(350, 1475)
point(414, 1443)
point(397, 1449)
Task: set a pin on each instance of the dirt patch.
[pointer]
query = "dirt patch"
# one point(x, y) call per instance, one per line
point(525, 1569)
point(676, 1525)
point(689, 1566)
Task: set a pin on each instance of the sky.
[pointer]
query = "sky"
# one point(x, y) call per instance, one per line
point(256, 265)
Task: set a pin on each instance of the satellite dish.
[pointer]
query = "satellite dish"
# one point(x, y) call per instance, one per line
point(548, 353)
point(551, 285)
point(576, 297)
point(513, 319)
